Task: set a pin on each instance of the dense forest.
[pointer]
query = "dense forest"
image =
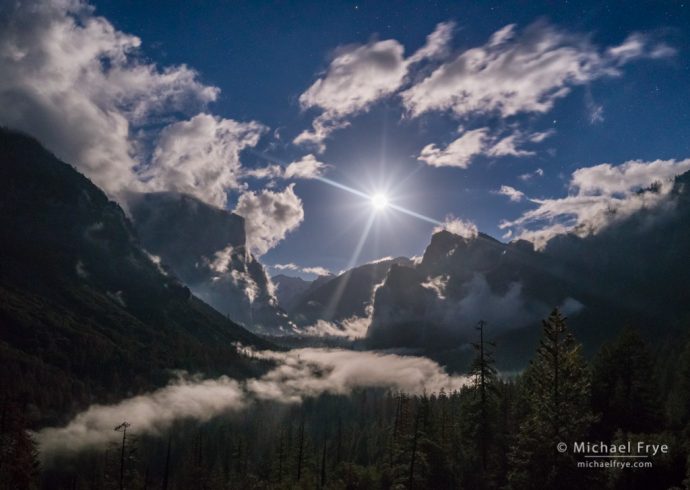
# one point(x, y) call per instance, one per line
point(497, 432)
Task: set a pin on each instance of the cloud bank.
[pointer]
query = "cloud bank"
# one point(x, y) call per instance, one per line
point(599, 196)
point(298, 374)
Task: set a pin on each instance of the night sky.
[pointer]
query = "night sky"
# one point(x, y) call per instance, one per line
point(619, 105)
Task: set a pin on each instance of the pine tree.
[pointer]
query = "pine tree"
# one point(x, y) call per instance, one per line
point(19, 466)
point(483, 371)
point(624, 391)
point(556, 386)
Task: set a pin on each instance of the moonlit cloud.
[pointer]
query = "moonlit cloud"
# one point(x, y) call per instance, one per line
point(531, 175)
point(437, 44)
point(319, 271)
point(298, 374)
point(231, 264)
point(479, 302)
point(460, 152)
point(351, 328)
point(359, 76)
point(512, 193)
point(522, 72)
point(311, 372)
point(599, 196)
point(307, 167)
point(460, 227)
point(454, 309)
point(201, 157)
point(153, 413)
point(269, 216)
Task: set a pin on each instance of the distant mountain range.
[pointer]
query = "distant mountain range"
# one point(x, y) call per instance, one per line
point(85, 313)
point(335, 298)
point(289, 289)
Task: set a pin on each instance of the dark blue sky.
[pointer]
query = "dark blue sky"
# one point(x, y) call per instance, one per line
point(263, 55)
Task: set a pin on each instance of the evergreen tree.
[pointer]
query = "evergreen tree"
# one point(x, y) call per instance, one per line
point(479, 413)
point(18, 456)
point(484, 373)
point(624, 391)
point(556, 387)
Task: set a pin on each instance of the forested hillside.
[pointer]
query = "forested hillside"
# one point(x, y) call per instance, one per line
point(497, 432)
point(85, 314)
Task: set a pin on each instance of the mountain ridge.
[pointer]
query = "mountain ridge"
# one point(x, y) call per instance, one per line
point(77, 291)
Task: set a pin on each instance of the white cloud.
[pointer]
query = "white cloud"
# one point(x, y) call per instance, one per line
point(460, 227)
point(380, 259)
point(437, 44)
point(510, 145)
point(299, 374)
point(460, 152)
point(316, 270)
point(599, 195)
point(351, 328)
point(76, 83)
point(221, 260)
point(512, 193)
point(307, 167)
point(438, 285)
point(357, 77)
point(243, 280)
point(531, 175)
point(289, 267)
point(269, 216)
point(319, 271)
point(522, 72)
point(201, 157)
point(607, 179)
point(360, 75)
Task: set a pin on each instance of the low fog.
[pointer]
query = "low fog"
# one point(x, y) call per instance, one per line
point(297, 374)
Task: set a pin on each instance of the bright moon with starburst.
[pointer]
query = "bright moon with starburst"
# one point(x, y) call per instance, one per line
point(379, 201)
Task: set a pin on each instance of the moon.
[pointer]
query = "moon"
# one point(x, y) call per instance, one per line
point(379, 202)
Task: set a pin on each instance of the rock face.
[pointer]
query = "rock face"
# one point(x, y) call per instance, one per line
point(458, 282)
point(336, 298)
point(83, 308)
point(289, 290)
point(205, 247)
